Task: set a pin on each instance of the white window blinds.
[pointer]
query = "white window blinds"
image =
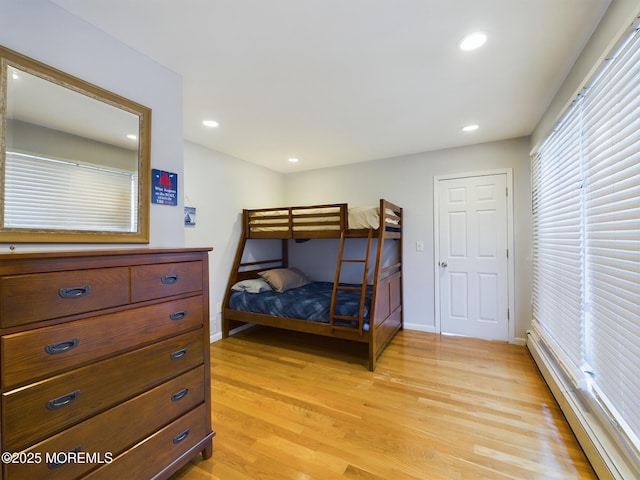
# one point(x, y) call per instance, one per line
point(38, 195)
point(557, 241)
point(611, 125)
point(586, 242)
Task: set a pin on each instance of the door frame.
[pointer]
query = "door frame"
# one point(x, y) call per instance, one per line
point(511, 317)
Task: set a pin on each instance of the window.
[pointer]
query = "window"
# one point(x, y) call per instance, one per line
point(586, 242)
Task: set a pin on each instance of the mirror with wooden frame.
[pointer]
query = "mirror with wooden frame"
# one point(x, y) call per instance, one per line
point(74, 158)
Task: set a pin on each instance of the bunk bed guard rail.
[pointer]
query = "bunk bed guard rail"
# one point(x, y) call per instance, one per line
point(316, 221)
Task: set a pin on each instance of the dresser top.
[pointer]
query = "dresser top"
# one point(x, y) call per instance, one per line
point(33, 262)
point(113, 252)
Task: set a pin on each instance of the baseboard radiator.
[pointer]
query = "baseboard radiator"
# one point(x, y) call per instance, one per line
point(596, 437)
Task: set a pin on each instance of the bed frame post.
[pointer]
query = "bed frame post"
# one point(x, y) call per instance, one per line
point(383, 325)
point(233, 275)
point(373, 348)
point(285, 252)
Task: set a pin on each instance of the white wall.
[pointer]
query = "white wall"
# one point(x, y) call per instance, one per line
point(408, 182)
point(616, 20)
point(48, 33)
point(220, 186)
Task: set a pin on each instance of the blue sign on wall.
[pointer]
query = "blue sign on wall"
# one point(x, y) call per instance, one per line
point(164, 187)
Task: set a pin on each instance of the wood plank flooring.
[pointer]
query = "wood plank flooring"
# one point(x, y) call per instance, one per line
point(291, 406)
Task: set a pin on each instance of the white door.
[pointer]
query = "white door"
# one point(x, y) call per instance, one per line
point(472, 257)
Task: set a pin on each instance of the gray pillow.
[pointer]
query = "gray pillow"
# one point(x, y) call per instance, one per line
point(283, 279)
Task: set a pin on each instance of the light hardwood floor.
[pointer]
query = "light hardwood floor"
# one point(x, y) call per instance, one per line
point(290, 406)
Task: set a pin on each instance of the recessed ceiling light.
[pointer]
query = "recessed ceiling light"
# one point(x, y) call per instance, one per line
point(294, 160)
point(470, 128)
point(210, 123)
point(132, 136)
point(473, 41)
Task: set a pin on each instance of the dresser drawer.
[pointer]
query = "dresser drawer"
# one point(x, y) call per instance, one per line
point(32, 413)
point(41, 296)
point(116, 429)
point(166, 445)
point(165, 279)
point(36, 353)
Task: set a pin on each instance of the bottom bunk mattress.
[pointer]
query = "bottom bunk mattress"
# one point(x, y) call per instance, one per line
point(310, 302)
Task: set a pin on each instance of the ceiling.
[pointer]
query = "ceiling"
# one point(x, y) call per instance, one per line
point(333, 82)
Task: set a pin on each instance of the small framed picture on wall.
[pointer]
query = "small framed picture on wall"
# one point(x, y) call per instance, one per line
point(189, 216)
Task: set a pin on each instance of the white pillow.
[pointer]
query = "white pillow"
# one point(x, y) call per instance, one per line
point(253, 285)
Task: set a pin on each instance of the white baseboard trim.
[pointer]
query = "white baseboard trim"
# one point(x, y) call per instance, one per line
point(214, 337)
point(432, 329)
point(419, 327)
point(605, 457)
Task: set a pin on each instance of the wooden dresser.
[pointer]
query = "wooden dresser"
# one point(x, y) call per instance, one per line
point(105, 363)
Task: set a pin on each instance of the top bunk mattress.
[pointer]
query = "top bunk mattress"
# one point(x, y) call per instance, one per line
point(369, 217)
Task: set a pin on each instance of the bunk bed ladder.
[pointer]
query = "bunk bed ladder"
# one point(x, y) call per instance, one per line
point(363, 288)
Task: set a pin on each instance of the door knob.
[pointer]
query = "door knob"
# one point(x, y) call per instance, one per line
point(443, 264)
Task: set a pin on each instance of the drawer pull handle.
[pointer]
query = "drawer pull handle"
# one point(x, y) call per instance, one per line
point(62, 347)
point(178, 315)
point(56, 464)
point(179, 354)
point(182, 436)
point(169, 279)
point(179, 395)
point(74, 292)
point(62, 401)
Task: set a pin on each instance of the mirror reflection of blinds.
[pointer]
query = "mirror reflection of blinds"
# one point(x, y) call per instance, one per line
point(52, 194)
point(586, 243)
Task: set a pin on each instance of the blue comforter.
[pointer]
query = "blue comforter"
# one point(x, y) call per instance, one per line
point(310, 302)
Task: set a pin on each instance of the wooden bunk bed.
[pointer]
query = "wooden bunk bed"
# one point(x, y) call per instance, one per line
point(377, 314)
